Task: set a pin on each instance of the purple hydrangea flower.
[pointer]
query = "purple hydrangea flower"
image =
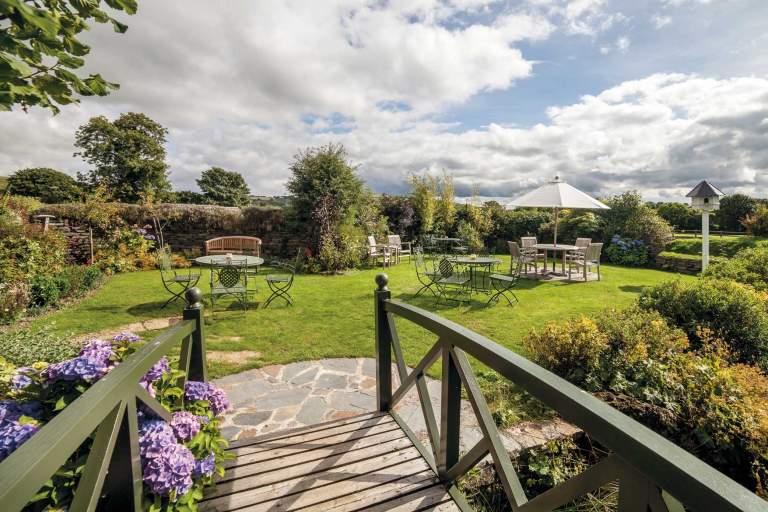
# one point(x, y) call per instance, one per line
point(155, 438)
point(11, 411)
point(98, 351)
point(80, 367)
point(13, 435)
point(171, 471)
point(196, 390)
point(219, 401)
point(185, 425)
point(22, 379)
point(157, 371)
point(205, 466)
point(149, 387)
point(126, 336)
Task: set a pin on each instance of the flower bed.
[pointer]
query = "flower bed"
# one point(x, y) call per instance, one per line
point(178, 458)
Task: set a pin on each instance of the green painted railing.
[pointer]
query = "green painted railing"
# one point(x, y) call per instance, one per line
point(653, 473)
point(111, 479)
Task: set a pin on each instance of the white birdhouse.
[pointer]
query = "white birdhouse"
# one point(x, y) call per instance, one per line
point(705, 197)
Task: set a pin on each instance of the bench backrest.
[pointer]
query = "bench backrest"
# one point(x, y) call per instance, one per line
point(234, 245)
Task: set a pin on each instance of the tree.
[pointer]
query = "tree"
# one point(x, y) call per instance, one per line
point(445, 212)
point(47, 185)
point(327, 194)
point(224, 188)
point(39, 51)
point(629, 216)
point(679, 215)
point(733, 209)
point(423, 192)
point(128, 155)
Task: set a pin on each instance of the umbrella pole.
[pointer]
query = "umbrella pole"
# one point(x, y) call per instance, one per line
point(557, 213)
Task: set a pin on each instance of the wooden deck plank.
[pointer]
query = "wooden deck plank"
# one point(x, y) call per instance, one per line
point(305, 483)
point(326, 454)
point(361, 463)
point(281, 450)
point(280, 434)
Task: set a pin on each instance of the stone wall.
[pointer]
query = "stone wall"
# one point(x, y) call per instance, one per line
point(187, 227)
point(682, 265)
point(78, 240)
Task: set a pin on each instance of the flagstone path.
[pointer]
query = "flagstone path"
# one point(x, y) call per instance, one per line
point(278, 397)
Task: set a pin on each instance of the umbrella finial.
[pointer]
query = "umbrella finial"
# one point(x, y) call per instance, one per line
point(557, 179)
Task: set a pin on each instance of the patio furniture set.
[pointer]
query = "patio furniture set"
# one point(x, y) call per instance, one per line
point(390, 252)
point(582, 256)
point(234, 263)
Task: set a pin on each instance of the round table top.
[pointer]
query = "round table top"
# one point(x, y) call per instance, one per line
point(558, 247)
point(446, 239)
point(466, 260)
point(221, 259)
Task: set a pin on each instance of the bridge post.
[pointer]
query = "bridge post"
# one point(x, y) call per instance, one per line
point(197, 368)
point(383, 345)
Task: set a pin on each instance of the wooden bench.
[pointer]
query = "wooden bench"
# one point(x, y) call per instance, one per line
point(234, 245)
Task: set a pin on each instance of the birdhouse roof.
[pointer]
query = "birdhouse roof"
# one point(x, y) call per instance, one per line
point(705, 189)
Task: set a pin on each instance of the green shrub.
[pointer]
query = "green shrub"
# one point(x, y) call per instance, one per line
point(632, 218)
point(81, 278)
point(735, 312)
point(14, 298)
point(572, 349)
point(749, 266)
point(46, 290)
point(25, 347)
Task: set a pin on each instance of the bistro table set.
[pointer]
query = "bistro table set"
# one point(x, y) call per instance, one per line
point(232, 274)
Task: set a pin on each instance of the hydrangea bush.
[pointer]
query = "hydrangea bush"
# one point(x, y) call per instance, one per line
point(628, 252)
point(178, 458)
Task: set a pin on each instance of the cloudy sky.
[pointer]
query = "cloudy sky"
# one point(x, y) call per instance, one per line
point(610, 94)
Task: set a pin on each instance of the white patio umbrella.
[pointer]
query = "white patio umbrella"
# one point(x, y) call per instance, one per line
point(558, 195)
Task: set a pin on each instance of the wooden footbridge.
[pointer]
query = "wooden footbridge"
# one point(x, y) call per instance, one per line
point(371, 462)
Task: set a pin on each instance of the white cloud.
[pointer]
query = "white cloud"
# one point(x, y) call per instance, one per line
point(245, 87)
point(622, 44)
point(660, 21)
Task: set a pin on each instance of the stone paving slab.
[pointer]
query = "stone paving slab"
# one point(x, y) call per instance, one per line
point(280, 397)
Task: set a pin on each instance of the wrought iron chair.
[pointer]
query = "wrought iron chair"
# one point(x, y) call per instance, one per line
point(230, 279)
point(585, 259)
point(451, 283)
point(175, 282)
point(502, 285)
point(280, 283)
point(424, 273)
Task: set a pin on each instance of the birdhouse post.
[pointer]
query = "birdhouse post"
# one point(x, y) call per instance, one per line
point(705, 198)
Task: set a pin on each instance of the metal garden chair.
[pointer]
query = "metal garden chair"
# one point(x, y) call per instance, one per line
point(175, 282)
point(230, 279)
point(502, 285)
point(451, 283)
point(426, 275)
point(280, 283)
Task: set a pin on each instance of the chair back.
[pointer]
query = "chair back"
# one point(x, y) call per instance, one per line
point(371, 241)
point(394, 240)
point(528, 241)
point(445, 268)
point(583, 242)
point(514, 250)
point(230, 275)
point(593, 252)
point(164, 260)
point(419, 262)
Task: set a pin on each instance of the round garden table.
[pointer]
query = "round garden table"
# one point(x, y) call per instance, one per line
point(483, 284)
point(221, 259)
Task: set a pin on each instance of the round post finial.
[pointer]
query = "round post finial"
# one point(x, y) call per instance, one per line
point(194, 298)
point(382, 280)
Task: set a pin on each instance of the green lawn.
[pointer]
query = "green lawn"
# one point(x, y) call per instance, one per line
point(333, 315)
point(726, 245)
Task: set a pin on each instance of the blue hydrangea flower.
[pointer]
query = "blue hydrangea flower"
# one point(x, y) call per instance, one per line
point(13, 435)
point(157, 371)
point(126, 336)
point(205, 466)
point(171, 471)
point(155, 437)
point(11, 411)
point(219, 401)
point(80, 367)
point(196, 390)
point(97, 350)
point(22, 379)
point(185, 425)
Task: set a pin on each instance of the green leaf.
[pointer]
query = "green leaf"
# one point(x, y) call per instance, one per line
point(61, 403)
point(39, 18)
point(119, 27)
